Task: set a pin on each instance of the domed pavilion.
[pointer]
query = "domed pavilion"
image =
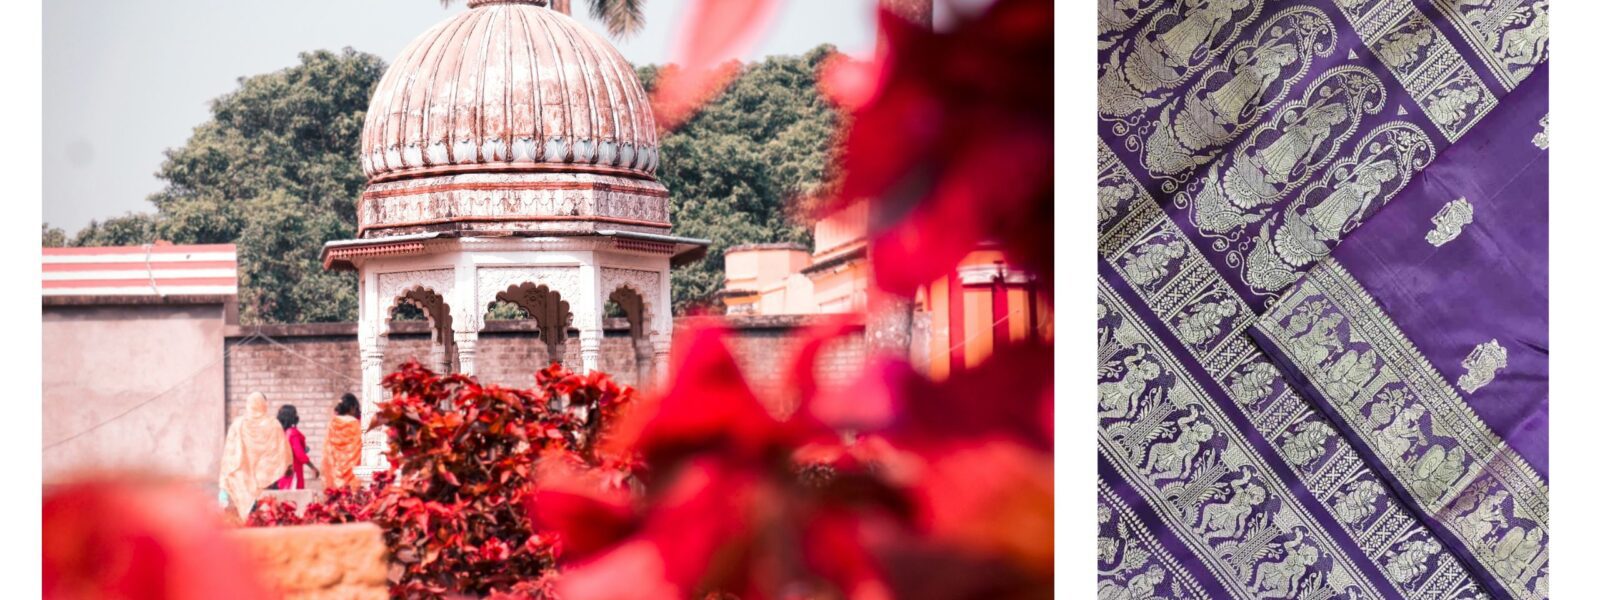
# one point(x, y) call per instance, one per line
point(510, 156)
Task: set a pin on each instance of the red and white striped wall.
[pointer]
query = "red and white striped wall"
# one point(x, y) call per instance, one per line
point(149, 270)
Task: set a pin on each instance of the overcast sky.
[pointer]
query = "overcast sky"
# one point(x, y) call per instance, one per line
point(126, 79)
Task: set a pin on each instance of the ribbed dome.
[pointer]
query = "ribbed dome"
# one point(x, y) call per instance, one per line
point(508, 86)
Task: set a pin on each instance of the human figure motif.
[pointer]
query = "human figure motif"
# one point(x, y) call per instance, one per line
point(1515, 552)
point(1119, 399)
point(1347, 375)
point(1316, 344)
point(1523, 47)
point(1254, 383)
point(1400, 49)
point(1117, 15)
point(1250, 79)
point(1194, 34)
point(1149, 262)
point(1282, 578)
point(1437, 471)
point(1306, 444)
point(1449, 106)
point(1288, 152)
point(1175, 458)
point(1112, 195)
point(1411, 561)
point(1350, 199)
point(1403, 428)
point(1205, 320)
point(255, 453)
point(1255, 180)
point(1477, 524)
point(1227, 520)
point(1357, 502)
point(1139, 587)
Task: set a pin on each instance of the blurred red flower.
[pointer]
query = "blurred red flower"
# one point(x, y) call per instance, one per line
point(951, 141)
point(709, 35)
point(120, 537)
point(956, 475)
point(727, 509)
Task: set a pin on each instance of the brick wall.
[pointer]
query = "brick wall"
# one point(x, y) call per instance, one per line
point(310, 366)
point(764, 346)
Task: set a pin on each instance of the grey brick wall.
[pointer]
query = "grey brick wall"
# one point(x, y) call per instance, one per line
point(310, 366)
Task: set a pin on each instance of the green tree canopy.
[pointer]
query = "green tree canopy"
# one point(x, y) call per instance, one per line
point(52, 237)
point(743, 168)
point(276, 171)
point(131, 229)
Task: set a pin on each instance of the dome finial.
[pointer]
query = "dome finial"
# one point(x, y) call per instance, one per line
point(477, 3)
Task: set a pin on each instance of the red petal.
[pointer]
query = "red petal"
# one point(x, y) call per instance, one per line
point(125, 539)
point(709, 35)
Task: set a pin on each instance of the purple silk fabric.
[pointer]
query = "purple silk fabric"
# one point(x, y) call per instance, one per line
point(1491, 281)
point(1177, 286)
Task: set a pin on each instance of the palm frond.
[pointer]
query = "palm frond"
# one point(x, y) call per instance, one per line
point(623, 18)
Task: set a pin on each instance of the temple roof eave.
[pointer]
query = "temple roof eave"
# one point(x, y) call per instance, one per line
point(344, 255)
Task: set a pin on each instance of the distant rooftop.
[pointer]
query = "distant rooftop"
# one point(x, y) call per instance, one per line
point(155, 271)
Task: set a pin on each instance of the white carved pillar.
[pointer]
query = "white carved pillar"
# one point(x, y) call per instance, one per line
point(467, 350)
point(589, 346)
point(586, 310)
point(439, 355)
point(467, 316)
point(661, 365)
point(373, 443)
point(661, 326)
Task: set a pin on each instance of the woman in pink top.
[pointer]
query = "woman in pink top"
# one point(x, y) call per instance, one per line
point(295, 478)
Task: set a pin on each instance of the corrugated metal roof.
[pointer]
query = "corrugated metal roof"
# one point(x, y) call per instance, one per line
point(150, 270)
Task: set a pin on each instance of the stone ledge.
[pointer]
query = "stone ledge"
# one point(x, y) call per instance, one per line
point(398, 328)
point(767, 321)
point(346, 561)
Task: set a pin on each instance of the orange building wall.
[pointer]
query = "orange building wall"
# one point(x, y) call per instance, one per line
point(975, 340)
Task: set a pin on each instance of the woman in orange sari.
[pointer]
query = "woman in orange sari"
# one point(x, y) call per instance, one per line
point(342, 451)
point(254, 454)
